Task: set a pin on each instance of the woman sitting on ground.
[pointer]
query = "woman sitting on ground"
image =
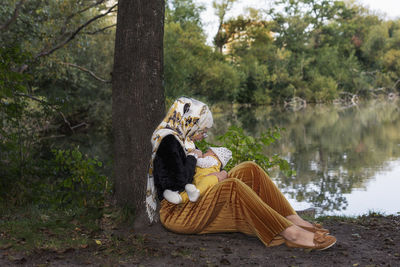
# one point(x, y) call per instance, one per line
point(244, 200)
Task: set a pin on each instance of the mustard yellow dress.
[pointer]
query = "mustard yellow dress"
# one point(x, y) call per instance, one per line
point(247, 202)
point(203, 180)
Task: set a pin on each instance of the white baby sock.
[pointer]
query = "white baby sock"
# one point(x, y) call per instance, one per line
point(173, 197)
point(192, 192)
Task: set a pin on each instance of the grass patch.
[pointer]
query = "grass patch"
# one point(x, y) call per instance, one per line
point(31, 227)
point(353, 219)
point(103, 233)
point(335, 218)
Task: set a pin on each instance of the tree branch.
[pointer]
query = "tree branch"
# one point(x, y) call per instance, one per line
point(87, 71)
point(52, 107)
point(72, 36)
point(101, 30)
point(84, 9)
point(67, 19)
point(5, 26)
point(36, 99)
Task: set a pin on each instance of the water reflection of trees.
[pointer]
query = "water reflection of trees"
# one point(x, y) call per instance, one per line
point(333, 150)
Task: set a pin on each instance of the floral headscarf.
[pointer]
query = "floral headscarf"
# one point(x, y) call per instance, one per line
point(184, 119)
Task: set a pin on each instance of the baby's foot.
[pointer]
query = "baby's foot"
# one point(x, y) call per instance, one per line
point(192, 192)
point(173, 197)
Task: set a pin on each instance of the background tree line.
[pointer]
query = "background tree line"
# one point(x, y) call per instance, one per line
point(313, 49)
point(56, 60)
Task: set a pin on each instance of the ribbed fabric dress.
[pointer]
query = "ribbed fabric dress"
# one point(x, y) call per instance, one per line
point(203, 180)
point(247, 202)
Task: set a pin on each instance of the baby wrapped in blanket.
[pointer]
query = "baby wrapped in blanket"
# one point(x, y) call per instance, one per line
point(211, 162)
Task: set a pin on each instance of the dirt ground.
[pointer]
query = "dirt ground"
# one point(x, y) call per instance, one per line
point(372, 240)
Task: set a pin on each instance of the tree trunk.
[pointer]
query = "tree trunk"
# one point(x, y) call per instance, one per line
point(138, 95)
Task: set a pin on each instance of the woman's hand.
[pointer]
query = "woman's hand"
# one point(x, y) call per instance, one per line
point(222, 175)
point(197, 152)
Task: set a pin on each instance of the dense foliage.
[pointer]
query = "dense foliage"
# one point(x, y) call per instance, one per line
point(49, 96)
point(313, 49)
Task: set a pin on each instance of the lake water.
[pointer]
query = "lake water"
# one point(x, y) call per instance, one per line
point(347, 159)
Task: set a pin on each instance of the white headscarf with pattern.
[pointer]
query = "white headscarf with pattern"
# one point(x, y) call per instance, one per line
point(184, 119)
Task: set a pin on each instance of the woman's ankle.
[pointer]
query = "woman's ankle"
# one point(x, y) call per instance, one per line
point(291, 233)
point(297, 220)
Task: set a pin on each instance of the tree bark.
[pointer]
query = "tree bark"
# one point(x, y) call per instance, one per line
point(138, 95)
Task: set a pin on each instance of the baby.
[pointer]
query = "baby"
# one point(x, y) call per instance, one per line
point(211, 162)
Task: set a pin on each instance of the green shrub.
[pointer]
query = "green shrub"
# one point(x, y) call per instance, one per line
point(76, 180)
point(248, 148)
point(65, 178)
